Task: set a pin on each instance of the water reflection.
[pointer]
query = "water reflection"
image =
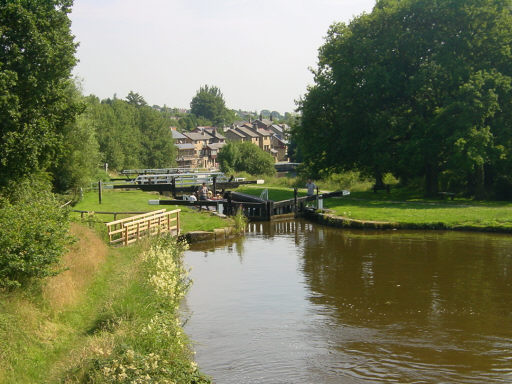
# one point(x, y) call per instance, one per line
point(354, 306)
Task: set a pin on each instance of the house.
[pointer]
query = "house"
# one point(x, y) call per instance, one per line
point(209, 155)
point(250, 135)
point(212, 131)
point(280, 147)
point(233, 135)
point(186, 157)
point(178, 137)
point(264, 139)
point(199, 139)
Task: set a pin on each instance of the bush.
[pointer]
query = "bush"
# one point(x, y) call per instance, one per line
point(245, 157)
point(33, 233)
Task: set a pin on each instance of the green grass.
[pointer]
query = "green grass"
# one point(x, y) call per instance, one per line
point(42, 344)
point(408, 208)
point(137, 201)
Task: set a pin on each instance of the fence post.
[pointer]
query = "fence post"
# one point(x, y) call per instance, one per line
point(99, 191)
point(178, 229)
point(125, 235)
point(295, 201)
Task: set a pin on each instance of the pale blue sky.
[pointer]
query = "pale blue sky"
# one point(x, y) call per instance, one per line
point(257, 52)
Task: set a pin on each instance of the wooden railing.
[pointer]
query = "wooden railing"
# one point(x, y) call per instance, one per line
point(129, 230)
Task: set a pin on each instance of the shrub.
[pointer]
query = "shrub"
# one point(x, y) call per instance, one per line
point(33, 233)
point(245, 157)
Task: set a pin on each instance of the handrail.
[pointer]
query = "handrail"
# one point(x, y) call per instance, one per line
point(133, 218)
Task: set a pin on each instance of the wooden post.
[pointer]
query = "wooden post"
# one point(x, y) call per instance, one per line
point(295, 201)
point(125, 235)
point(99, 191)
point(214, 186)
point(178, 230)
point(138, 231)
point(229, 207)
point(173, 187)
point(316, 197)
point(169, 222)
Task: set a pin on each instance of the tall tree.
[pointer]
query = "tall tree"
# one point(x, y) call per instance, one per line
point(36, 57)
point(418, 88)
point(209, 104)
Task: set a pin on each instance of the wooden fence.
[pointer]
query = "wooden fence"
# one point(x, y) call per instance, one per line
point(129, 230)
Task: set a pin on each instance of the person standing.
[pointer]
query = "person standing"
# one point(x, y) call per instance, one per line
point(203, 194)
point(310, 187)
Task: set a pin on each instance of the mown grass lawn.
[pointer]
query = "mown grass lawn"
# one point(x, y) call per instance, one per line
point(415, 210)
point(407, 207)
point(138, 201)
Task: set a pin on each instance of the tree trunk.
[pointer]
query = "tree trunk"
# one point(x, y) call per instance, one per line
point(431, 180)
point(379, 182)
point(479, 182)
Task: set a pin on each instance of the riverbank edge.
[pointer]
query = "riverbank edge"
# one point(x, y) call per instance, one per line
point(85, 328)
point(218, 235)
point(326, 217)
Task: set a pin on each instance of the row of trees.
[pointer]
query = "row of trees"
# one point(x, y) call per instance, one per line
point(419, 88)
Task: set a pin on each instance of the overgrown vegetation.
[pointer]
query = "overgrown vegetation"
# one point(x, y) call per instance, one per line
point(146, 343)
point(112, 317)
point(33, 233)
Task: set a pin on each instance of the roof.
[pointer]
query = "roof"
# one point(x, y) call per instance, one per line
point(240, 134)
point(177, 135)
point(185, 146)
point(194, 136)
point(247, 132)
point(277, 127)
point(275, 137)
point(216, 146)
point(263, 132)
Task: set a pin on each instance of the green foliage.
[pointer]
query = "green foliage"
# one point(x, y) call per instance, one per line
point(245, 157)
point(415, 88)
point(79, 158)
point(240, 221)
point(209, 104)
point(36, 58)
point(131, 134)
point(33, 233)
point(151, 345)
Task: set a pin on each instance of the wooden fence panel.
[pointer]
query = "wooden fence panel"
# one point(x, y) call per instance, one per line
point(129, 230)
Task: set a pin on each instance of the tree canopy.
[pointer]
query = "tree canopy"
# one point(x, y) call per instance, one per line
point(245, 157)
point(36, 58)
point(208, 103)
point(419, 88)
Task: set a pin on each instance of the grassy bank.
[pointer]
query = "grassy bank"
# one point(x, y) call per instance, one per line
point(408, 209)
point(137, 201)
point(112, 316)
point(412, 211)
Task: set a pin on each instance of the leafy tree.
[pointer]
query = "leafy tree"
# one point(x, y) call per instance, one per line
point(80, 157)
point(209, 104)
point(418, 88)
point(245, 157)
point(135, 99)
point(33, 232)
point(36, 58)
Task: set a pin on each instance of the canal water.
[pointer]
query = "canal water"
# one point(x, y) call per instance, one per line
point(295, 302)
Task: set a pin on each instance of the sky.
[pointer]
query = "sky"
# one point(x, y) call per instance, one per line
point(258, 52)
